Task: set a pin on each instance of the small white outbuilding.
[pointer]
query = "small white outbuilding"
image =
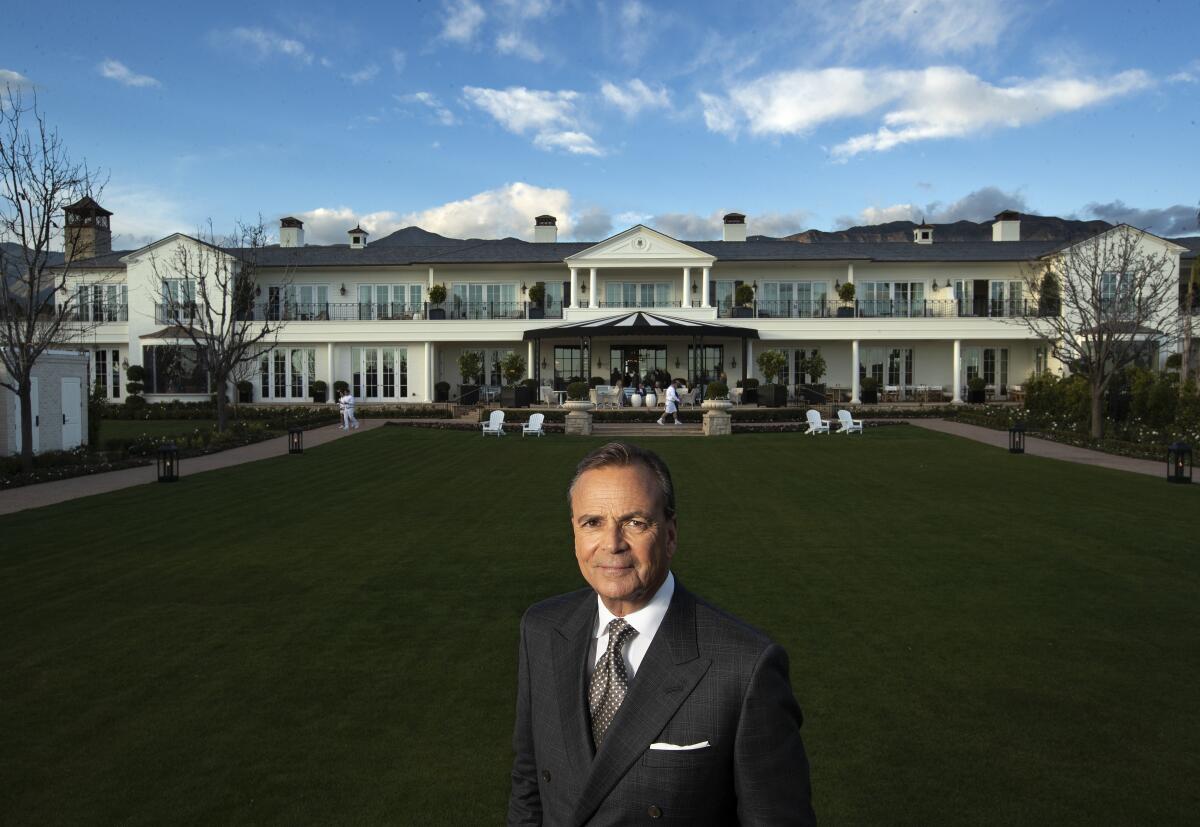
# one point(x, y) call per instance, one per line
point(59, 400)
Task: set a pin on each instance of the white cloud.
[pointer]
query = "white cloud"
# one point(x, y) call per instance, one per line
point(399, 60)
point(462, 20)
point(517, 44)
point(979, 205)
point(593, 224)
point(1178, 220)
point(14, 80)
point(529, 9)
point(576, 143)
point(550, 115)
point(635, 96)
point(938, 102)
point(118, 71)
point(933, 26)
point(637, 29)
point(363, 75)
point(265, 43)
point(696, 227)
point(429, 100)
point(497, 213)
point(142, 215)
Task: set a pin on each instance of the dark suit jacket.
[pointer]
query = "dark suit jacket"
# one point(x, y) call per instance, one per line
point(706, 677)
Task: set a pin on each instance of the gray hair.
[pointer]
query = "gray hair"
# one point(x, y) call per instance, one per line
point(624, 455)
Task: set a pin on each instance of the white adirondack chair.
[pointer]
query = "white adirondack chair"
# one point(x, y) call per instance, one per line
point(534, 425)
point(848, 424)
point(816, 425)
point(495, 424)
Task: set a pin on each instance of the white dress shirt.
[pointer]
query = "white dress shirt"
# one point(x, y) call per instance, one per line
point(646, 620)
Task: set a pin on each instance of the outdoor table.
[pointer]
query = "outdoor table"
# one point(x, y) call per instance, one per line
point(562, 396)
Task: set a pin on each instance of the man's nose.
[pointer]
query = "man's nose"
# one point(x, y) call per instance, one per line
point(614, 539)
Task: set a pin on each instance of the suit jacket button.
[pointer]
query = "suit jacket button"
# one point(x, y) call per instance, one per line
point(654, 811)
point(546, 776)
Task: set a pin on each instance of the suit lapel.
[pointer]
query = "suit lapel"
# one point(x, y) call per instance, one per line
point(570, 658)
point(671, 669)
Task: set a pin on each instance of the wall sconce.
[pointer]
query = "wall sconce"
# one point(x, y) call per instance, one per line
point(837, 284)
point(257, 290)
point(677, 363)
point(125, 363)
point(543, 364)
point(583, 287)
point(524, 289)
point(599, 362)
point(694, 288)
point(343, 289)
point(755, 284)
point(935, 287)
point(733, 362)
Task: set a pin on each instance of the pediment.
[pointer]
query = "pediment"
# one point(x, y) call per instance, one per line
point(640, 245)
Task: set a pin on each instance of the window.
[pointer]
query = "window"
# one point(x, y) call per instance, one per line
point(793, 298)
point(101, 302)
point(179, 300)
point(483, 300)
point(637, 294)
point(379, 372)
point(886, 298)
point(1005, 298)
point(174, 369)
point(722, 296)
point(1040, 365)
point(706, 362)
point(390, 301)
point(106, 372)
point(568, 363)
point(1116, 298)
point(287, 373)
point(307, 302)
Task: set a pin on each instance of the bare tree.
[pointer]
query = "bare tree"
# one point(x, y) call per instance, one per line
point(36, 310)
point(1101, 304)
point(208, 287)
point(1189, 302)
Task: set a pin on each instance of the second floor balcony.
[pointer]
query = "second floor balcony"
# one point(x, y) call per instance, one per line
point(885, 309)
point(370, 311)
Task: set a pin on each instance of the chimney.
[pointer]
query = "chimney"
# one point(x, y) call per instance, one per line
point(87, 233)
point(735, 227)
point(1007, 226)
point(545, 229)
point(923, 233)
point(291, 232)
point(358, 238)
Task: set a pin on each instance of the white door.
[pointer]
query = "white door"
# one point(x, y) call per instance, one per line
point(33, 403)
point(72, 413)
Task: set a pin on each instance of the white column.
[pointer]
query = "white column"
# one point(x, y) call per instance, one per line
point(429, 378)
point(529, 362)
point(850, 272)
point(431, 277)
point(329, 365)
point(574, 288)
point(593, 292)
point(748, 368)
point(705, 301)
point(957, 373)
point(855, 392)
point(686, 301)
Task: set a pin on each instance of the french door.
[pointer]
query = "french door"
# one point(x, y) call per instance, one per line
point(379, 372)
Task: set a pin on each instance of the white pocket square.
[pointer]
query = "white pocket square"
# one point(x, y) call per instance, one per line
point(679, 747)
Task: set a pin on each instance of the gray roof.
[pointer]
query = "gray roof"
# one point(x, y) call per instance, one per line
point(413, 246)
point(1192, 242)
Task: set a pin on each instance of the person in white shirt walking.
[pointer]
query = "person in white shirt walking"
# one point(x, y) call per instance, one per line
point(347, 405)
point(672, 403)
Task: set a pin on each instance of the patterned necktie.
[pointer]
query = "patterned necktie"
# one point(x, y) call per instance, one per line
point(609, 681)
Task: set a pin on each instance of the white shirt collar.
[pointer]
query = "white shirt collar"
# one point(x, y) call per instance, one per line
point(645, 620)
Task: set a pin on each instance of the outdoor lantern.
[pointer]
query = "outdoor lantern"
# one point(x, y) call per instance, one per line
point(1016, 438)
point(1179, 463)
point(168, 463)
point(295, 440)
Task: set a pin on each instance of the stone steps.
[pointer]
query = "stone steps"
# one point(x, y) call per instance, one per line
point(615, 429)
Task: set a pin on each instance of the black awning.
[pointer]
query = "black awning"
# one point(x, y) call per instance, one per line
point(641, 323)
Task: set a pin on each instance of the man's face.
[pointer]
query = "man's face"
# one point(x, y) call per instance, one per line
point(623, 540)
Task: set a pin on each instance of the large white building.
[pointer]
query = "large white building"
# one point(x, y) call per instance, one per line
point(926, 312)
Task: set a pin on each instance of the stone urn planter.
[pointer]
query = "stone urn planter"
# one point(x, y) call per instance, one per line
point(651, 400)
point(579, 417)
point(717, 421)
point(635, 401)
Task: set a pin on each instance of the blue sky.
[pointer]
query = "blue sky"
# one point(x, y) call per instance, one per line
point(470, 117)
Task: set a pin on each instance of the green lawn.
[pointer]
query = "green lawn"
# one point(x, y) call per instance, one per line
point(132, 428)
point(975, 637)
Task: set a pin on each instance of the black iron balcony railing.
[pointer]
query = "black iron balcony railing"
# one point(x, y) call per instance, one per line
point(103, 312)
point(886, 308)
point(397, 311)
point(174, 313)
point(633, 305)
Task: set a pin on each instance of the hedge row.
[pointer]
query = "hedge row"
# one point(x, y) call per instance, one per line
point(285, 415)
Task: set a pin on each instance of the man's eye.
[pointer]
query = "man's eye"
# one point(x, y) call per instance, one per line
point(637, 525)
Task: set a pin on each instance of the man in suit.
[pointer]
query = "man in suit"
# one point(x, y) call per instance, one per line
point(636, 700)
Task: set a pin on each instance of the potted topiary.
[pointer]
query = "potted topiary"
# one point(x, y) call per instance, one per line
point(749, 391)
point(816, 368)
point(716, 397)
point(441, 392)
point(743, 301)
point(870, 390)
point(846, 294)
point(437, 297)
point(512, 395)
point(577, 397)
point(537, 299)
point(245, 389)
point(469, 366)
point(772, 363)
point(976, 390)
point(133, 389)
point(317, 388)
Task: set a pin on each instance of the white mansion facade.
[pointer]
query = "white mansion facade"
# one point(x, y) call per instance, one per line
point(926, 314)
